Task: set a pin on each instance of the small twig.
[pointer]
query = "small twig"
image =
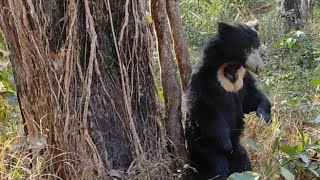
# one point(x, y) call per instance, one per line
point(68, 66)
point(125, 23)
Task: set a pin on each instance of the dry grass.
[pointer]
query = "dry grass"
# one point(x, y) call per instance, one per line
point(23, 159)
point(287, 122)
point(16, 159)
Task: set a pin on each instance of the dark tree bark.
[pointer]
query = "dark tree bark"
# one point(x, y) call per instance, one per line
point(295, 13)
point(84, 82)
point(169, 77)
point(180, 45)
point(291, 14)
point(306, 8)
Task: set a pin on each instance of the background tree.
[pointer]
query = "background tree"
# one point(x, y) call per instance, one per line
point(180, 45)
point(82, 70)
point(306, 9)
point(295, 13)
point(169, 78)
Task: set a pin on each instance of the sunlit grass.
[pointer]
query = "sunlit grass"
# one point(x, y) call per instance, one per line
point(291, 115)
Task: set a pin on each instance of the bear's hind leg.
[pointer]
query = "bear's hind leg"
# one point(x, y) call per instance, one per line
point(210, 163)
point(239, 160)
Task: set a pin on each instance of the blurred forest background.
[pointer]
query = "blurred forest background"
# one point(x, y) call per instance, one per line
point(287, 149)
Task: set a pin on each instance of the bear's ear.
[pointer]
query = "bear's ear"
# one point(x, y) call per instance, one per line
point(224, 27)
point(254, 25)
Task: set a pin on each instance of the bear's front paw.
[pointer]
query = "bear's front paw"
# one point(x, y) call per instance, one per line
point(266, 117)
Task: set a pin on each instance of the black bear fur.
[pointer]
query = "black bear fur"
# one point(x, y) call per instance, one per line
point(215, 114)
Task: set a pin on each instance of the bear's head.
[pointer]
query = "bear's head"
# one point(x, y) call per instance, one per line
point(240, 43)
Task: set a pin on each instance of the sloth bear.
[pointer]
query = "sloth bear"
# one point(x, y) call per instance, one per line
point(220, 92)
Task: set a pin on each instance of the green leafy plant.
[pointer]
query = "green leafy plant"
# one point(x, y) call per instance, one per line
point(247, 175)
point(291, 40)
point(5, 71)
point(9, 111)
point(316, 54)
point(292, 159)
point(316, 81)
point(5, 75)
point(295, 157)
point(3, 50)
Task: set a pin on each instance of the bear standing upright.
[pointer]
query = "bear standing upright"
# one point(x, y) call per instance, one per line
point(219, 93)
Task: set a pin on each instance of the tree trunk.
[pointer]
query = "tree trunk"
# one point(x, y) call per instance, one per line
point(169, 78)
point(306, 8)
point(84, 82)
point(180, 45)
point(295, 13)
